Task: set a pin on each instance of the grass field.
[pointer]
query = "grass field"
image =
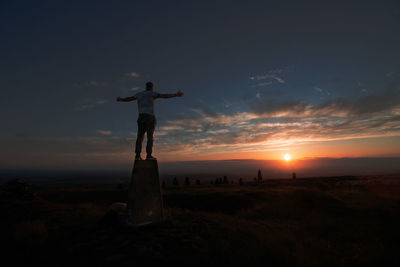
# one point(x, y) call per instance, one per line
point(334, 221)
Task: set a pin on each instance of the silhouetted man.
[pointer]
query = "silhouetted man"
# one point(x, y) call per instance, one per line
point(147, 120)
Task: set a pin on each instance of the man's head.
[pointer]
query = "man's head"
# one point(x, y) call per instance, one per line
point(149, 86)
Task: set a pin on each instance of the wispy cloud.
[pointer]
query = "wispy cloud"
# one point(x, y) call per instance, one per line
point(270, 76)
point(262, 84)
point(227, 103)
point(265, 125)
point(104, 132)
point(90, 84)
point(243, 131)
point(272, 124)
point(339, 107)
point(279, 80)
point(134, 74)
point(90, 105)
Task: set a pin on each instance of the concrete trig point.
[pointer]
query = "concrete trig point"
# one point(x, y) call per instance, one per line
point(145, 203)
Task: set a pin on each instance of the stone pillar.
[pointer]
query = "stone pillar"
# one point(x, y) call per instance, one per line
point(145, 203)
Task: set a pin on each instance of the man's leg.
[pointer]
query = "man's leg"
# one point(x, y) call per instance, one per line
point(140, 134)
point(150, 131)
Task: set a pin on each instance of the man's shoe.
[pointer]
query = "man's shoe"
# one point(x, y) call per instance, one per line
point(138, 157)
point(150, 157)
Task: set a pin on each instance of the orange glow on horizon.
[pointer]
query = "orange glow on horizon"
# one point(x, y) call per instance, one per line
point(371, 147)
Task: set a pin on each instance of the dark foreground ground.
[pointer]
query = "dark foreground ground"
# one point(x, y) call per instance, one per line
point(340, 221)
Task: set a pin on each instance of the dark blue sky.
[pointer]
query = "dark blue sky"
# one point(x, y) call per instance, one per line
point(63, 63)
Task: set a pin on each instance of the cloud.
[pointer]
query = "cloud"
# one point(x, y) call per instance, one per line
point(272, 124)
point(83, 107)
point(171, 127)
point(227, 103)
point(104, 132)
point(380, 101)
point(376, 102)
point(134, 74)
point(207, 132)
point(90, 105)
point(262, 84)
point(100, 153)
point(272, 75)
point(90, 84)
point(267, 124)
point(247, 131)
point(278, 79)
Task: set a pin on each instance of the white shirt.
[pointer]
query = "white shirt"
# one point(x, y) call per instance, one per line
point(145, 101)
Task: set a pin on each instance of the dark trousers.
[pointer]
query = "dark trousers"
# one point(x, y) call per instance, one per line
point(146, 124)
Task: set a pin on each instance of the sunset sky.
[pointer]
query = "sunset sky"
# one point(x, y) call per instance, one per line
point(261, 79)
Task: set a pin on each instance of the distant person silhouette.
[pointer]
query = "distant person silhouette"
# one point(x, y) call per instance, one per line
point(147, 120)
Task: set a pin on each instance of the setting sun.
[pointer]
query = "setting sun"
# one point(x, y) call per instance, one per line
point(287, 157)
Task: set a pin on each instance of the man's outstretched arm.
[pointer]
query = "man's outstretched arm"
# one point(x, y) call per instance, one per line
point(126, 99)
point(178, 94)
